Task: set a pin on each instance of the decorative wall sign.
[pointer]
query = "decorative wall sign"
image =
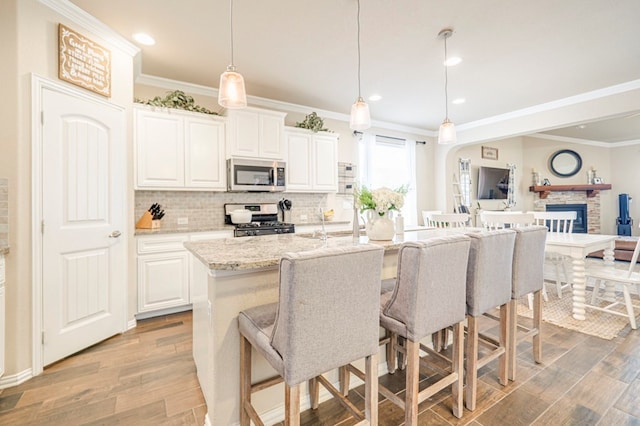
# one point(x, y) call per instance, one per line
point(83, 62)
point(489, 153)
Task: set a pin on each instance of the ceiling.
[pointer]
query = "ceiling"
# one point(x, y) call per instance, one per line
point(516, 54)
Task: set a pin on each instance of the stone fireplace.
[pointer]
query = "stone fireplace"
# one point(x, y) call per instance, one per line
point(556, 198)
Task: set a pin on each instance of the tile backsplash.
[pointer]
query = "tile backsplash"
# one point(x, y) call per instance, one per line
point(206, 208)
point(4, 211)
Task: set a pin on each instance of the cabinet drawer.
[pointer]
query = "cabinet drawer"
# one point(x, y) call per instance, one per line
point(200, 236)
point(160, 244)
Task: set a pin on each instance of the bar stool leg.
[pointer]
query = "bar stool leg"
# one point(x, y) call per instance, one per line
point(513, 341)
point(291, 405)
point(371, 389)
point(457, 391)
point(537, 324)
point(413, 373)
point(503, 360)
point(472, 362)
point(245, 379)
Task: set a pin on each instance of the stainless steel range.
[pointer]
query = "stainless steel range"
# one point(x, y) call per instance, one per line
point(264, 220)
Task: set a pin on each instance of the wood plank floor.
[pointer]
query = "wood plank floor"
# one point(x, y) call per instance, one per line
point(146, 376)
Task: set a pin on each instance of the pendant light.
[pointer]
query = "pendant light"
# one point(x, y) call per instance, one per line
point(231, 92)
point(447, 133)
point(360, 117)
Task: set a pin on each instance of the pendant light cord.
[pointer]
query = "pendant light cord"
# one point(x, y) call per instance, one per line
point(231, 28)
point(359, 95)
point(446, 81)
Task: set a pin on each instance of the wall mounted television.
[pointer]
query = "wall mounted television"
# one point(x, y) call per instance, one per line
point(493, 183)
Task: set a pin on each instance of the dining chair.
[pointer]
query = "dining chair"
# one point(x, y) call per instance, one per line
point(561, 223)
point(527, 278)
point(603, 274)
point(326, 317)
point(429, 295)
point(492, 220)
point(489, 278)
point(426, 216)
point(449, 220)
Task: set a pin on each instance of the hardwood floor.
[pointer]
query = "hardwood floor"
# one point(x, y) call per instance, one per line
point(146, 376)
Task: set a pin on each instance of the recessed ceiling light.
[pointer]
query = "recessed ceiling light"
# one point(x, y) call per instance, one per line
point(582, 126)
point(375, 98)
point(459, 101)
point(454, 60)
point(144, 38)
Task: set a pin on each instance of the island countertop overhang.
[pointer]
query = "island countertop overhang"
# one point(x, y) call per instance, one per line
point(246, 253)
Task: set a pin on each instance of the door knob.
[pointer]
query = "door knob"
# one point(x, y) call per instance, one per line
point(115, 234)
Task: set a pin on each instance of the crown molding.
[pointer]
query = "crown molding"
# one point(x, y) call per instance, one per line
point(584, 141)
point(196, 89)
point(553, 105)
point(85, 20)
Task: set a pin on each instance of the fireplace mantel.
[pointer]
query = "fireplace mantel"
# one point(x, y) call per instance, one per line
point(591, 190)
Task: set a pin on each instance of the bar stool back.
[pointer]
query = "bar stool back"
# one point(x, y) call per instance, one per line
point(429, 295)
point(488, 286)
point(528, 277)
point(326, 317)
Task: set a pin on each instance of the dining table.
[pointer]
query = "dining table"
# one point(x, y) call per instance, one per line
point(577, 247)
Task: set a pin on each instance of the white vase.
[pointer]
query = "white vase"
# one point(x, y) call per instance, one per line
point(379, 228)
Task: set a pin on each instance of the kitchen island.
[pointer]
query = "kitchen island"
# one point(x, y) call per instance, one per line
point(233, 274)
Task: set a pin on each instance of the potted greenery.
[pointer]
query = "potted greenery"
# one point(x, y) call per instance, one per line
point(313, 122)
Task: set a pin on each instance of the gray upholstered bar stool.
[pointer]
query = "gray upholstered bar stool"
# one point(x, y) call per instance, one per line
point(428, 296)
point(488, 286)
point(528, 277)
point(326, 317)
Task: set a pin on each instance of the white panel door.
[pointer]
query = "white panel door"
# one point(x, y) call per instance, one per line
point(84, 227)
point(204, 154)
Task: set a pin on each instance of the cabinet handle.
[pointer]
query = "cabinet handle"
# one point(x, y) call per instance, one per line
point(115, 234)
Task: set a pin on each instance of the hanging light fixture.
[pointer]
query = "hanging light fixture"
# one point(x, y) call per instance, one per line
point(231, 92)
point(447, 133)
point(360, 117)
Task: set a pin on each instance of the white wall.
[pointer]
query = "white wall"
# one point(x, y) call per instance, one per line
point(29, 34)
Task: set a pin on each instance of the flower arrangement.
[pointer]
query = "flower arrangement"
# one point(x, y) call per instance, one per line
point(381, 200)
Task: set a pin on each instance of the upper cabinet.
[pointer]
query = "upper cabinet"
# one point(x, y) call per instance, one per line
point(255, 133)
point(312, 161)
point(179, 150)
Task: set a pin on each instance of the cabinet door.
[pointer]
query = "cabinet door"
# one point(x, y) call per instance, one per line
point(243, 136)
point(271, 137)
point(159, 150)
point(325, 167)
point(163, 281)
point(299, 150)
point(204, 154)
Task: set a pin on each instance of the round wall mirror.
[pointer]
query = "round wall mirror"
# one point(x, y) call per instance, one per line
point(565, 163)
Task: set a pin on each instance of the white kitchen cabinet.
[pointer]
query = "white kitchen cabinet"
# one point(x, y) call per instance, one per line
point(312, 161)
point(2, 315)
point(179, 150)
point(164, 271)
point(255, 133)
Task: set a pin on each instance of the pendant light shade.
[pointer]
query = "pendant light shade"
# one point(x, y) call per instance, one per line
point(447, 133)
point(231, 92)
point(360, 117)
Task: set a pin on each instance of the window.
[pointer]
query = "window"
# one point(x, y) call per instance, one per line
point(390, 162)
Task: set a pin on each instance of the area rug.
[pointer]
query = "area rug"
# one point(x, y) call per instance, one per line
point(559, 312)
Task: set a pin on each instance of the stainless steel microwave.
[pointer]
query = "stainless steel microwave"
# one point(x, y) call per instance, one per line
point(255, 175)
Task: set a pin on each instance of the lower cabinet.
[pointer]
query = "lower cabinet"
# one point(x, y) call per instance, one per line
point(164, 281)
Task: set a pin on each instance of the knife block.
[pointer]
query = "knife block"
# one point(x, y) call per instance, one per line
point(147, 222)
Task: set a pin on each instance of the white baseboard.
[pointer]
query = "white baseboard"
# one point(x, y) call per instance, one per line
point(132, 324)
point(15, 379)
point(166, 311)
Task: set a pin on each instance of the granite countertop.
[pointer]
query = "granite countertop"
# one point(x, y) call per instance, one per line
point(182, 229)
point(236, 254)
point(4, 249)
